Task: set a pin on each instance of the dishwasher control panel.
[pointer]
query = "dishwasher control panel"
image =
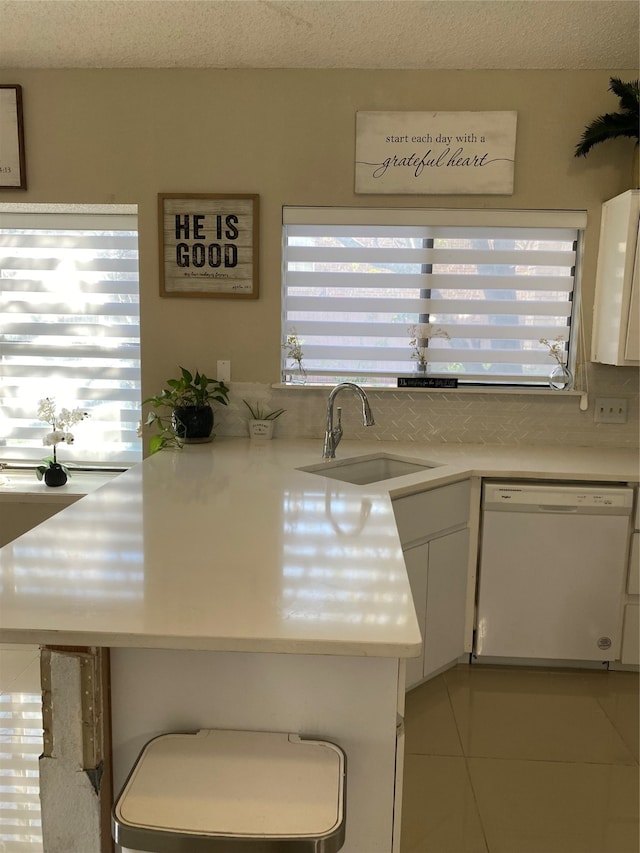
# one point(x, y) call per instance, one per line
point(529, 497)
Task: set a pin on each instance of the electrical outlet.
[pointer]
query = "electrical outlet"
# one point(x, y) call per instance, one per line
point(224, 371)
point(611, 410)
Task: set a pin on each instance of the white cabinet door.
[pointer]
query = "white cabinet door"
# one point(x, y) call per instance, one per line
point(446, 600)
point(417, 562)
point(631, 635)
point(632, 343)
point(633, 580)
point(616, 325)
point(437, 573)
point(436, 557)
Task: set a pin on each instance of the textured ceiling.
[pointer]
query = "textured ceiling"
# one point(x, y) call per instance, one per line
point(438, 34)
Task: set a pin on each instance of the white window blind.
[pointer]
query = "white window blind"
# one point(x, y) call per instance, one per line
point(69, 329)
point(482, 286)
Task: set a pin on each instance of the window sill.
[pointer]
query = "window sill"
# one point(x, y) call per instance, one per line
point(22, 485)
point(540, 392)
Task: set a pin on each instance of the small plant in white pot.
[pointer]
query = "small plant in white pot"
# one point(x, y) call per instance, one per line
point(262, 420)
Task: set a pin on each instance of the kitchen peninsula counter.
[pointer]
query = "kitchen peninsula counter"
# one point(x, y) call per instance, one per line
point(227, 546)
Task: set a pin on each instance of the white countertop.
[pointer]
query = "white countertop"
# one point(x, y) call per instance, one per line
point(226, 546)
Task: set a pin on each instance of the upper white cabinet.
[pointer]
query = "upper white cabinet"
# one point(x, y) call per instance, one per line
point(616, 318)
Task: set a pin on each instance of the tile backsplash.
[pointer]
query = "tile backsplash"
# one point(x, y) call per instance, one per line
point(461, 417)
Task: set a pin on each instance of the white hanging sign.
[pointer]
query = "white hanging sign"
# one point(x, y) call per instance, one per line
point(435, 153)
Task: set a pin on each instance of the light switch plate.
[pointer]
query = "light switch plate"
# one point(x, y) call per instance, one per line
point(224, 371)
point(610, 410)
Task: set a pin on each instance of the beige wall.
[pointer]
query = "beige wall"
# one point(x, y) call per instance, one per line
point(125, 135)
point(17, 516)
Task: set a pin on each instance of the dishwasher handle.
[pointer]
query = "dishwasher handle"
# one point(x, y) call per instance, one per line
point(556, 508)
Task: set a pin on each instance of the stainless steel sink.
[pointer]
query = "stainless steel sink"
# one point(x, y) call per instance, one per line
point(362, 470)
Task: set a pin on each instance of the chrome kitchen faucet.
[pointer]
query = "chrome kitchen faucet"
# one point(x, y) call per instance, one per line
point(333, 434)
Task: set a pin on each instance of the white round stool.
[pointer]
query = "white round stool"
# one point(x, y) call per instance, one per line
point(220, 791)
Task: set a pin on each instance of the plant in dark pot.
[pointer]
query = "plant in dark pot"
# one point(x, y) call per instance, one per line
point(183, 412)
point(52, 471)
point(624, 123)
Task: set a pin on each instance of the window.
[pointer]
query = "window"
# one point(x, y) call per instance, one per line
point(475, 289)
point(69, 329)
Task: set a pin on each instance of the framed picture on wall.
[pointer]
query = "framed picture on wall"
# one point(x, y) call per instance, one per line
point(12, 165)
point(209, 245)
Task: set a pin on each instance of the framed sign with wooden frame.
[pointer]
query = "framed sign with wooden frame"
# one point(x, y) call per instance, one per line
point(13, 174)
point(209, 245)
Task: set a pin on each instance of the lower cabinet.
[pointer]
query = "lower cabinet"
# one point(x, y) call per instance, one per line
point(446, 600)
point(437, 572)
point(434, 532)
point(630, 650)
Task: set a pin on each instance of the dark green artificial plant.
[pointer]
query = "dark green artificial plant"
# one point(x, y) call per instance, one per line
point(614, 125)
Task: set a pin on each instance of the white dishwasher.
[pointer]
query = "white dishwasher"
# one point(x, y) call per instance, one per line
point(552, 571)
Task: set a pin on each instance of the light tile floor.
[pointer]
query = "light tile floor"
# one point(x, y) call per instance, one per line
point(514, 760)
point(20, 746)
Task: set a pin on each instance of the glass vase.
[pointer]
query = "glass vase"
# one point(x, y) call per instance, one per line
point(299, 375)
point(561, 378)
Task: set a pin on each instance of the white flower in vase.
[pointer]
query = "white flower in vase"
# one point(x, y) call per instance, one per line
point(560, 378)
point(421, 334)
point(60, 423)
point(293, 348)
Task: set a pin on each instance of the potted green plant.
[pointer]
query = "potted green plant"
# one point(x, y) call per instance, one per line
point(183, 412)
point(625, 123)
point(262, 420)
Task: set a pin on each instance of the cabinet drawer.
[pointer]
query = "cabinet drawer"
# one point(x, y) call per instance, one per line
point(633, 581)
point(420, 516)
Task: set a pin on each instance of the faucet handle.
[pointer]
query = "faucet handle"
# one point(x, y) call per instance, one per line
point(336, 434)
